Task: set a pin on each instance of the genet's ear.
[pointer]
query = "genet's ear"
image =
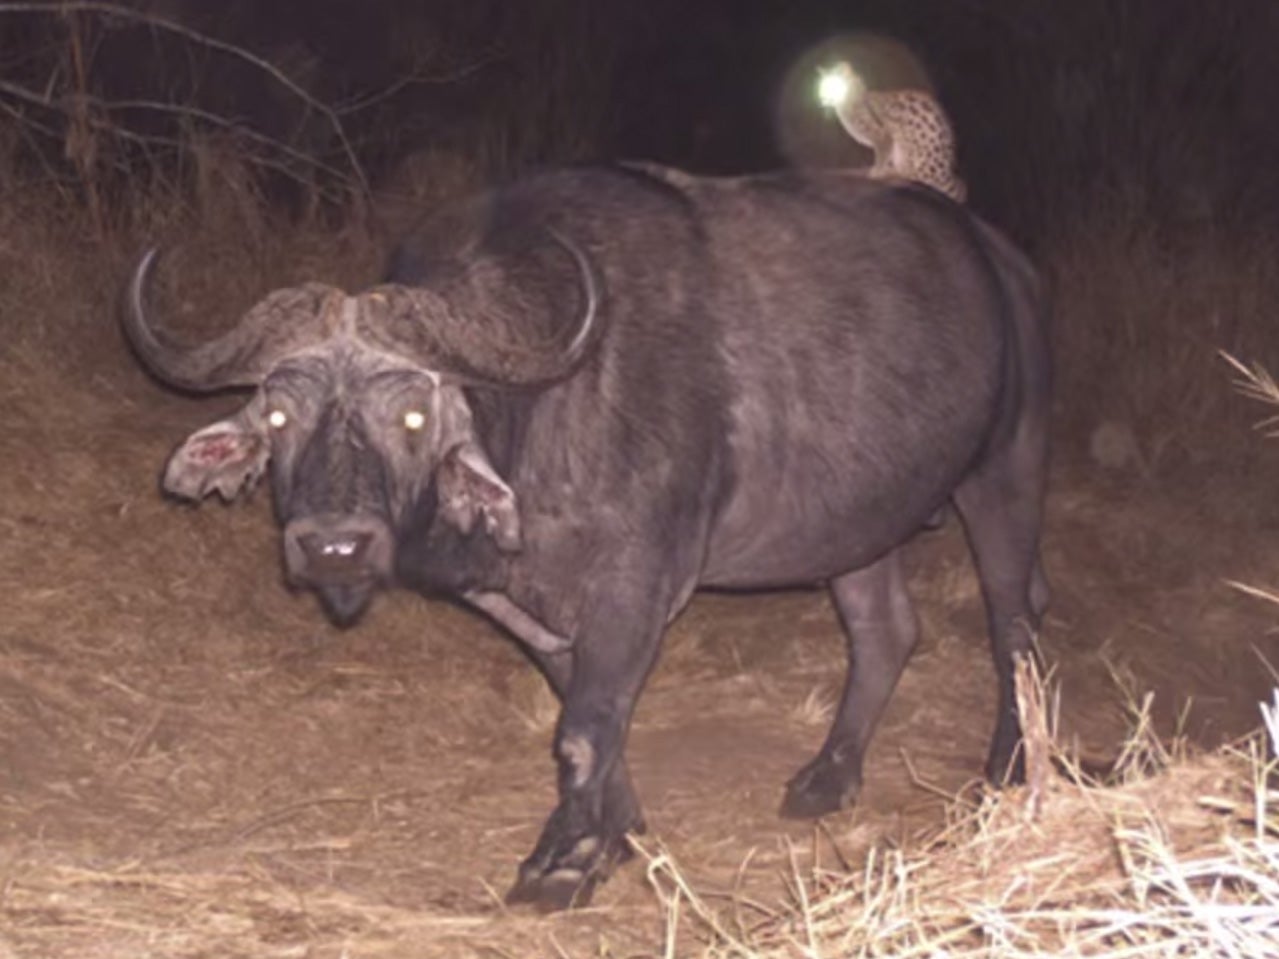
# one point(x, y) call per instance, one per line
point(228, 456)
point(469, 489)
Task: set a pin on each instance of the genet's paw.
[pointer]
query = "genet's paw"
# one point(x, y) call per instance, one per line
point(823, 786)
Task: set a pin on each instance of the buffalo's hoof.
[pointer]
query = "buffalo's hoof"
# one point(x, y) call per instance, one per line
point(553, 892)
point(567, 880)
point(819, 788)
point(1002, 770)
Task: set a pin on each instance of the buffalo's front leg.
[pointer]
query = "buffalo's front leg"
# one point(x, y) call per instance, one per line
point(585, 837)
point(619, 792)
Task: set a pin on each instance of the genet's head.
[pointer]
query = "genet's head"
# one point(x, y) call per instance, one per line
point(839, 86)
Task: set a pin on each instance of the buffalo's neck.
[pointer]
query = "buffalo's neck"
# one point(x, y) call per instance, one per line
point(500, 419)
point(434, 557)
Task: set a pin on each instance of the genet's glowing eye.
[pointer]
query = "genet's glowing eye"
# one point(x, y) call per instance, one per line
point(278, 419)
point(833, 88)
point(414, 420)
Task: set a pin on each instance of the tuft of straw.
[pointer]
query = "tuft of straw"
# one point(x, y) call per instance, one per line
point(1181, 863)
point(1256, 383)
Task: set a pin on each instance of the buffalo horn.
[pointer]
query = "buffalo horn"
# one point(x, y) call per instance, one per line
point(284, 322)
point(501, 325)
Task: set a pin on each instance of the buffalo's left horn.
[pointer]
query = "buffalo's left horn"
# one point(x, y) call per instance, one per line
point(503, 324)
point(283, 322)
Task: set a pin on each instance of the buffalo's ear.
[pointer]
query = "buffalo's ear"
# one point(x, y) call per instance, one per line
point(228, 457)
point(469, 489)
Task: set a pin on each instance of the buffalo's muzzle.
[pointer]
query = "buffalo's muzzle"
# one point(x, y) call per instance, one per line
point(337, 550)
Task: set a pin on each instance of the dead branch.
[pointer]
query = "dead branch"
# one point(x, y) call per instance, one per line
point(364, 101)
point(95, 108)
point(213, 43)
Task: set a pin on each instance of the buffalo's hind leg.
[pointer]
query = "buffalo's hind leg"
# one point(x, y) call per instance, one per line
point(881, 630)
point(1001, 505)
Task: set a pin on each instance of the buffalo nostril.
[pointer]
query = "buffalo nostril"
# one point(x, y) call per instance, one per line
point(334, 552)
point(337, 550)
point(342, 548)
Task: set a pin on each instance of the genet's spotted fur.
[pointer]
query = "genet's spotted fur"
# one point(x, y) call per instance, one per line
point(907, 129)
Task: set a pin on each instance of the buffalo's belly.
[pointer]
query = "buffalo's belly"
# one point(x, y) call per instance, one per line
point(776, 538)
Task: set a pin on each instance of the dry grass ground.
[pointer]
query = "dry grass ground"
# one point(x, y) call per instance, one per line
point(193, 763)
point(1184, 862)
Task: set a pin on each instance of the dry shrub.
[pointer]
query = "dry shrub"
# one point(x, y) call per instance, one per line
point(422, 180)
point(224, 247)
point(1139, 317)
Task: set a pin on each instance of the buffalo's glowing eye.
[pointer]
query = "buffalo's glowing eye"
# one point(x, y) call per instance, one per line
point(414, 420)
point(278, 419)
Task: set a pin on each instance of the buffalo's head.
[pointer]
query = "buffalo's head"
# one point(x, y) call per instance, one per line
point(358, 407)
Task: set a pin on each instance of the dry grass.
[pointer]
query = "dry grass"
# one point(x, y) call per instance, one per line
point(1181, 863)
point(1256, 383)
point(817, 707)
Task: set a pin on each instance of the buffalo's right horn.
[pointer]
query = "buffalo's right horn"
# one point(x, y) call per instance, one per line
point(284, 322)
point(503, 323)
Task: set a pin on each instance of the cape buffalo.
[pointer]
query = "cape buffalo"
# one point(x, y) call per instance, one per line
point(580, 397)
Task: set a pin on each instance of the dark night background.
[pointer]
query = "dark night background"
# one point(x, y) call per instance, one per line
point(1163, 104)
